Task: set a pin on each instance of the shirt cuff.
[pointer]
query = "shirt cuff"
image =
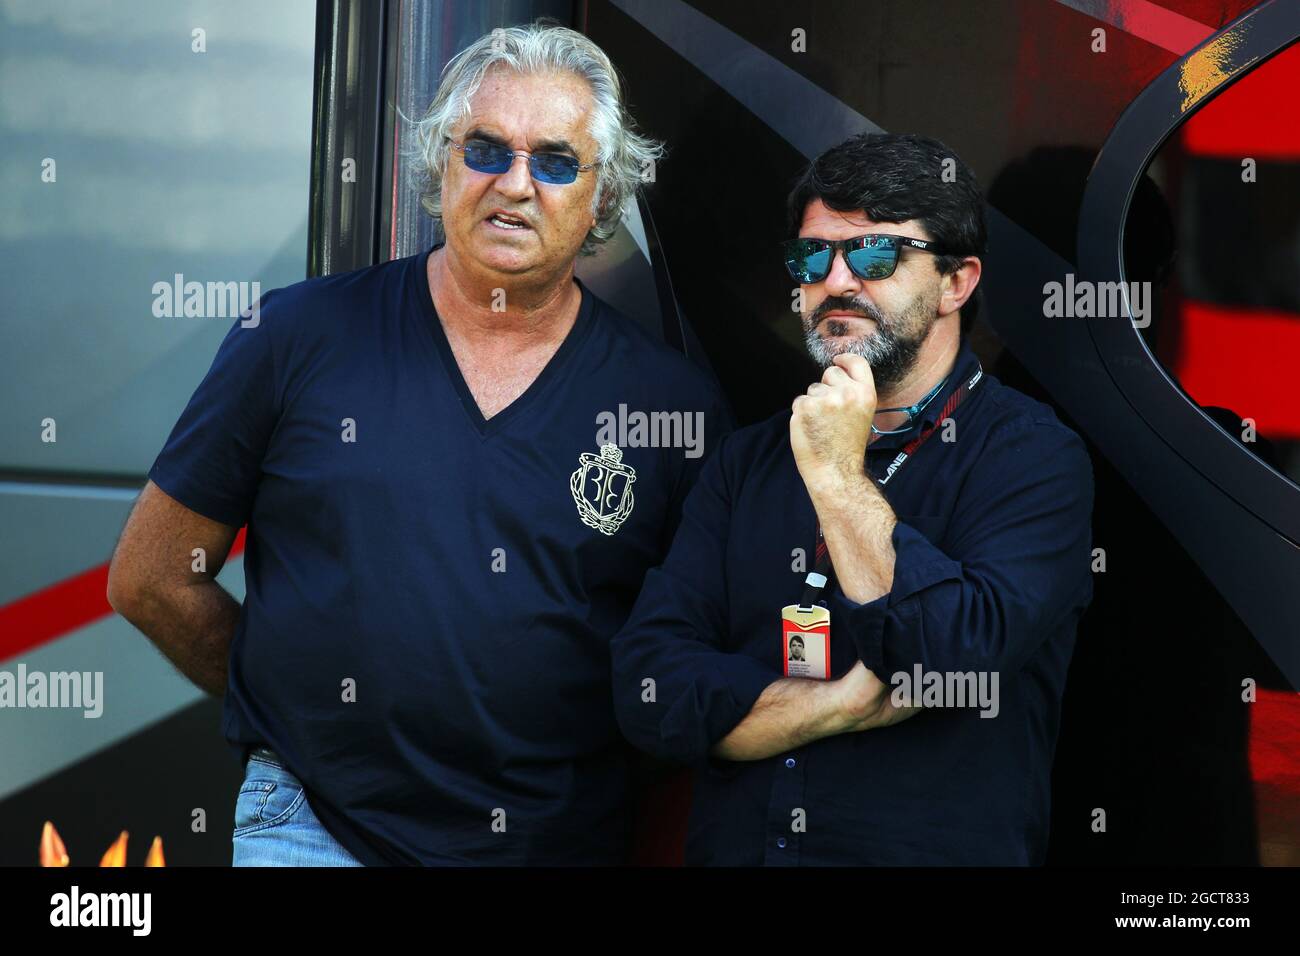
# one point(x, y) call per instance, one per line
point(918, 565)
point(717, 700)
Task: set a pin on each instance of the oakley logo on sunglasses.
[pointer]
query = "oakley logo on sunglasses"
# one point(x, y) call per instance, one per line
point(873, 256)
point(554, 168)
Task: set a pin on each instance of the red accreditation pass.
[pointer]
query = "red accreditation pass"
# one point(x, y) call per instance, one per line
point(806, 641)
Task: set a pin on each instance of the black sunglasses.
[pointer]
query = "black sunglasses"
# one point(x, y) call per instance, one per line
point(554, 168)
point(873, 256)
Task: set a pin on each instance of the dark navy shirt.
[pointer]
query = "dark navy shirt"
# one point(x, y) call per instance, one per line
point(431, 595)
point(992, 574)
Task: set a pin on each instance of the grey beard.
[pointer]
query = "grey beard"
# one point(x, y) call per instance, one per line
point(890, 357)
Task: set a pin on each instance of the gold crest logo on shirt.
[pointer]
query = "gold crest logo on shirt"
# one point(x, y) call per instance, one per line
point(602, 489)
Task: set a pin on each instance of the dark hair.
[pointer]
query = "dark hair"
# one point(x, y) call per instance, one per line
point(894, 177)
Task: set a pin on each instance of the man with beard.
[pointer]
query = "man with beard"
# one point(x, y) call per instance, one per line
point(947, 517)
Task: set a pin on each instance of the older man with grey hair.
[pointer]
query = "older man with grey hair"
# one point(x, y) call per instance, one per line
point(443, 530)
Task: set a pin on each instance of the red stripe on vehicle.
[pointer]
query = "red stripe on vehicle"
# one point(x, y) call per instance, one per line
point(61, 608)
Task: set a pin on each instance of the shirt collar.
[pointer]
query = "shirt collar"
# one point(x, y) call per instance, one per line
point(963, 368)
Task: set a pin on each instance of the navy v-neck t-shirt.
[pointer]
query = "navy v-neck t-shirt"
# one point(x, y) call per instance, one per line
point(431, 595)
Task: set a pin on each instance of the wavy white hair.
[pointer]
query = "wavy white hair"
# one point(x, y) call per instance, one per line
point(624, 156)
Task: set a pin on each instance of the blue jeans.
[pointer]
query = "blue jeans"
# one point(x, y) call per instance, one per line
point(274, 825)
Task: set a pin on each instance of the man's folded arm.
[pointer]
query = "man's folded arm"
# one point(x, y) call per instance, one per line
point(200, 492)
point(676, 692)
point(1016, 562)
point(679, 696)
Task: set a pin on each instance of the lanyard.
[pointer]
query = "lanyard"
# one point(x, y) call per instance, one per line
point(822, 563)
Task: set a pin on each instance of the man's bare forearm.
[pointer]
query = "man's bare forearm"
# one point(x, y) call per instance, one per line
point(792, 712)
point(193, 626)
point(163, 580)
point(858, 524)
point(789, 713)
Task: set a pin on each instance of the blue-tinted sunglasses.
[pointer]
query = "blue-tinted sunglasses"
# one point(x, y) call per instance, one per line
point(554, 168)
point(873, 256)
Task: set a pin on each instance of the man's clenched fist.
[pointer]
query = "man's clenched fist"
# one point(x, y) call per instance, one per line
point(865, 702)
point(831, 424)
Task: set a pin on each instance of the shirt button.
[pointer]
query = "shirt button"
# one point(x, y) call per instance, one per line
point(789, 761)
point(781, 842)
